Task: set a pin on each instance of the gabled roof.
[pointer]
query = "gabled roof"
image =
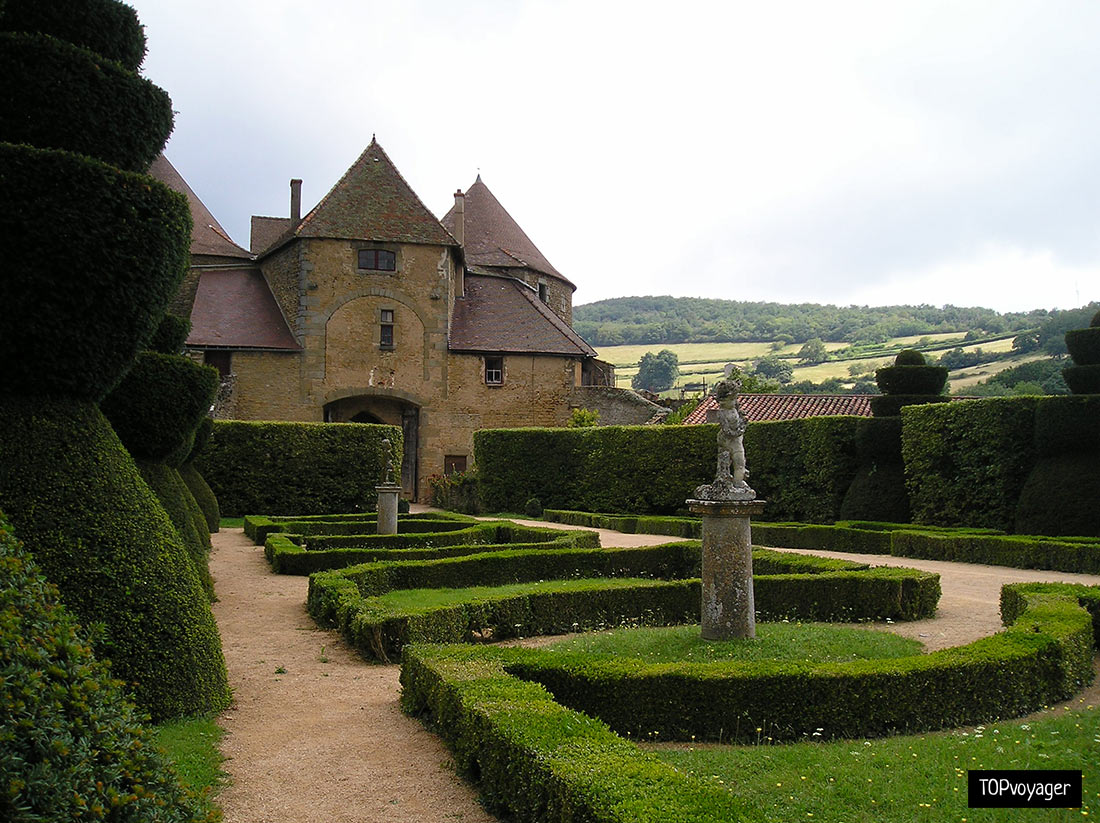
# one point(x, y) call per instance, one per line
point(372, 201)
point(788, 406)
point(234, 308)
point(207, 236)
point(491, 238)
point(265, 231)
point(501, 314)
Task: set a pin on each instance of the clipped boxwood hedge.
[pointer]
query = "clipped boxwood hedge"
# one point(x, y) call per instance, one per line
point(618, 593)
point(296, 468)
point(185, 515)
point(107, 27)
point(89, 298)
point(71, 744)
point(101, 536)
point(56, 95)
point(533, 759)
point(966, 463)
point(159, 404)
point(1044, 656)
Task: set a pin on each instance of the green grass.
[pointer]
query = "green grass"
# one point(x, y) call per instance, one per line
point(231, 523)
point(908, 779)
point(192, 747)
point(408, 601)
point(811, 642)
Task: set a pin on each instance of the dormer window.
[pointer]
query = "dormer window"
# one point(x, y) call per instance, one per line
point(377, 260)
point(544, 292)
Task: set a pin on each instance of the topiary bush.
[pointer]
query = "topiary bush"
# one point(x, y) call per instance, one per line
point(107, 112)
point(1084, 347)
point(71, 745)
point(171, 334)
point(185, 514)
point(533, 508)
point(878, 489)
point(908, 382)
point(100, 535)
point(107, 27)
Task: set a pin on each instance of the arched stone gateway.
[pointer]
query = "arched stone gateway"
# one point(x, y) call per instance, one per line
point(390, 410)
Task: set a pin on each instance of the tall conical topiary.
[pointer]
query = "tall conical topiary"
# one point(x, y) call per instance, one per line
point(1083, 377)
point(196, 483)
point(93, 252)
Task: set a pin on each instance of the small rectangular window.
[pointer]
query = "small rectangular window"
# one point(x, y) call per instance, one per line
point(454, 464)
point(220, 360)
point(377, 260)
point(544, 293)
point(385, 330)
point(494, 371)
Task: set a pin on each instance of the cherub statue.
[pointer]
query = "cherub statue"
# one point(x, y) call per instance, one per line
point(730, 480)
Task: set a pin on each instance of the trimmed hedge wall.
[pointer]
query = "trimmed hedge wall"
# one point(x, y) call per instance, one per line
point(106, 27)
point(966, 463)
point(801, 467)
point(533, 759)
point(71, 744)
point(83, 308)
point(1043, 657)
point(101, 536)
point(296, 468)
point(104, 110)
point(797, 588)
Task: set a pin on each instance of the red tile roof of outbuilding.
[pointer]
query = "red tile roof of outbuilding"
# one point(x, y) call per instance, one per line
point(789, 406)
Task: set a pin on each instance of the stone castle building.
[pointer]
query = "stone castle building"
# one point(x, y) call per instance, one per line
point(369, 309)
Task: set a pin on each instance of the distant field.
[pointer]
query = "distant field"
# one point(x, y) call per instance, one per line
point(961, 378)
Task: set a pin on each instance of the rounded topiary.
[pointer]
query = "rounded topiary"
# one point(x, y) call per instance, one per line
point(185, 514)
point(159, 404)
point(1083, 379)
point(105, 111)
point(403, 506)
point(99, 534)
point(92, 257)
point(533, 507)
point(1059, 497)
point(171, 334)
point(890, 405)
point(1084, 345)
point(901, 379)
point(106, 27)
point(71, 745)
point(909, 357)
point(204, 496)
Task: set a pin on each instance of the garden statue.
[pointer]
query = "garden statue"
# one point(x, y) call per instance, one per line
point(388, 491)
point(730, 480)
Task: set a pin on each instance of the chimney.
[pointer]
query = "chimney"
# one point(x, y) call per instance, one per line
point(295, 201)
point(460, 217)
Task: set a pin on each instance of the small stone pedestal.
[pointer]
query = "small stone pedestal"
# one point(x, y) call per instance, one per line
point(728, 608)
point(387, 507)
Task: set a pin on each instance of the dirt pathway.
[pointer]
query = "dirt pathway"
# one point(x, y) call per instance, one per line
point(316, 734)
point(324, 740)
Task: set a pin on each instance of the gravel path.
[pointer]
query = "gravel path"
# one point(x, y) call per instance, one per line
point(316, 734)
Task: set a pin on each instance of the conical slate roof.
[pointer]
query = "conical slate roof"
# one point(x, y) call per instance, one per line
point(491, 238)
point(372, 201)
point(207, 236)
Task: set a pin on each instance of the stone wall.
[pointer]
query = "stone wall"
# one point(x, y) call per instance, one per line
point(617, 407)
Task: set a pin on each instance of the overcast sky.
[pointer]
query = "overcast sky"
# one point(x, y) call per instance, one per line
point(832, 152)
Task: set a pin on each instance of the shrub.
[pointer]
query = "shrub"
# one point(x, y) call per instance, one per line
point(130, 236)
point(100, 535)
point(171, 335)
point(456, 492)
point(204, 496)
point(159, 405)
point(1084, 345)
point(106, 27)
point(966, 463)
point(296, 468)
point(1083, 379)
point(186, 517)
point(106, 111)
point(890, 405)
point(533, 507)
point(909, 357)
point(877, 491)
point(921, 380)
point(71, 744)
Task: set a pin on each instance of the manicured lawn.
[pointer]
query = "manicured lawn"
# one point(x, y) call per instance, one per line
point(909, 779)
point(192, 746)
point(811, 642)
point(231, 523)
point(413, 600)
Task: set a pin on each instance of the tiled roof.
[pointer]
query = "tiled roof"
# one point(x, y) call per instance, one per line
point(788, 406)
point(265, 231)
point(372, 201)
point(491, 238)
point(207, 237)
point(501, 314)
point(234, 308)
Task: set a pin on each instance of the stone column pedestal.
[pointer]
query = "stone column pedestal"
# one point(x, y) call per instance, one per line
point(387, 507)
point(728, 608)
